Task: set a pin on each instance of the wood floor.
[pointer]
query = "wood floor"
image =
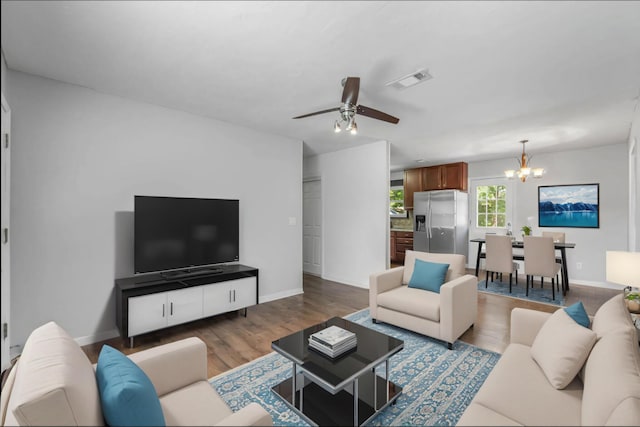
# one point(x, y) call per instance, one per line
point(233, 340)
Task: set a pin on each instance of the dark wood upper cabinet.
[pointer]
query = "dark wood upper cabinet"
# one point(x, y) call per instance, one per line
point(452, 176)
point(412, 182)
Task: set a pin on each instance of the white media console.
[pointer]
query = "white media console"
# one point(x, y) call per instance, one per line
point(151, 302)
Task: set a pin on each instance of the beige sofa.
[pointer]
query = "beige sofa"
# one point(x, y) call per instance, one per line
point(606, 392)
point(54, 383)
point(445, 315)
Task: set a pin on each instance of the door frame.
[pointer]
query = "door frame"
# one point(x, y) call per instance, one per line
point(6, 246)
point(321, 250)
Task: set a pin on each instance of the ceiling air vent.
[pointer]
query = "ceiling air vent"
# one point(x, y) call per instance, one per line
point(411, 79)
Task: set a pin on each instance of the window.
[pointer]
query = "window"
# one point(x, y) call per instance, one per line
point(492, 206)
point(396, 202)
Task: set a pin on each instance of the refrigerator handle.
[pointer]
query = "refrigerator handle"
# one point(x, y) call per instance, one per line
point(429, 233)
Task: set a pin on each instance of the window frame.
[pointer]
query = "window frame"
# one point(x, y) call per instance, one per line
point(511, 199)
point(395, 188)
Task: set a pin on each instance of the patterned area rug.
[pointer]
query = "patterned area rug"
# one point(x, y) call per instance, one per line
point(438, 384)
point(518, 291)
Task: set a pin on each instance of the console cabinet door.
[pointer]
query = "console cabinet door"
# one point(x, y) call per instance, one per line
point(216, 298)
point(185, 305)
point(147, 313)
point(243, 293)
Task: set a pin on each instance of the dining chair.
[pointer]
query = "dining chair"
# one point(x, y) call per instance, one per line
point(560, 238)
point(540, 260)
point(499, 258)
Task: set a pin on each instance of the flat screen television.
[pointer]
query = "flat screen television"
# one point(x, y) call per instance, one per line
point(184, 233)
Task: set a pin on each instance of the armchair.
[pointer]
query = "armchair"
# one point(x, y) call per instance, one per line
point(53, 383)
point(444, 316)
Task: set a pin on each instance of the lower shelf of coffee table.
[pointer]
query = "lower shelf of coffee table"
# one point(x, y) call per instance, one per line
point(326, 409)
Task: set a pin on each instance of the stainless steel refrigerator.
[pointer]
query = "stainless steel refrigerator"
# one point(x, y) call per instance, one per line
point(441, 222)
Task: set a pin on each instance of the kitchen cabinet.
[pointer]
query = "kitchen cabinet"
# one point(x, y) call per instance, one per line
point(392, 246)
point(403, 240)
point(412, 182)
point(451, 176)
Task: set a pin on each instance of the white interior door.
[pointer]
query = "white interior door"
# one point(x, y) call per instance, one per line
point(6, 277)
point(312, 229)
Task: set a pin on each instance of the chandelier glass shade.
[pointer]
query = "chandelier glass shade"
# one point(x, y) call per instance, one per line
point(525, 170)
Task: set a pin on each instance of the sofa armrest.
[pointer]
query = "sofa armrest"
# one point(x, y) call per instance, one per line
point(175, 365)
point(525, 325)
point(251, 415)
point(382, 282)
point(458, 306)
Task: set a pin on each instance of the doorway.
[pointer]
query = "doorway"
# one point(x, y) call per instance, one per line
point(312, 227)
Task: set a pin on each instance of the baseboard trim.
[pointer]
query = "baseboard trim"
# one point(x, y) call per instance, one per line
point(343, 282)
point(280, 295)
point(595, 284)
point(100, 336)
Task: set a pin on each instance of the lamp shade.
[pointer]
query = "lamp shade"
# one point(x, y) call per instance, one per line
point(623, 268)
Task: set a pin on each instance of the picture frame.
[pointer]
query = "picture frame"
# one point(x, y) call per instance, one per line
point(573, 205)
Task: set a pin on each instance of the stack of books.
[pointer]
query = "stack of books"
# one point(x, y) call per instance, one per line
point(333, 341)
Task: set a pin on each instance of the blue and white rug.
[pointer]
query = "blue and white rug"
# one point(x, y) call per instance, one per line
point(536, 293)
point(438, 384)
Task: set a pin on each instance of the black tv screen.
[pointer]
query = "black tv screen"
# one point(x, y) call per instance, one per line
point(175, 232)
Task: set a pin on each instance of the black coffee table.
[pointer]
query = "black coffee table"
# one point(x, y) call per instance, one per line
point(341, 391)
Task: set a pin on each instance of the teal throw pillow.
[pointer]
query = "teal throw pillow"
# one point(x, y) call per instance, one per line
point(126, 392)
point(578, 313)
point(428, 275)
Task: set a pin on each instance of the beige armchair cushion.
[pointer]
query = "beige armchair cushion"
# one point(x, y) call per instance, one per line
point(456, 264)
point(561, 348)
point(55, 383)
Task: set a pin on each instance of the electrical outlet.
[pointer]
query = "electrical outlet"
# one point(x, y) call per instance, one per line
point(578, 266)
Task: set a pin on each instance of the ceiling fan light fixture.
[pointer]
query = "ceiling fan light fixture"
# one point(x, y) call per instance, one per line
point(336, 127)
point(354, 128)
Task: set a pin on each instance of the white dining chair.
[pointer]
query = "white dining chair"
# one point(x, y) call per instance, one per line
point(540, 260)
point(499, 258)
point(558, 237)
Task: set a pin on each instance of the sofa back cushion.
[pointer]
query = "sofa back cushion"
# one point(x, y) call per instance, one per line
point(55, 383)
point(561, 348)
point(611, 393)
point(611, 315)
point(456, 263)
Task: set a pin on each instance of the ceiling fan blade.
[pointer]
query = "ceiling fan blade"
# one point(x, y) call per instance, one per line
point(317, 112)
point(375, 114)
point(351, 89)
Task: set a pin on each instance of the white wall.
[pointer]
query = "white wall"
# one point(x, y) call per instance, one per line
point(78, 159)
point(3, 73)
point(634, 181)
point(606, 165)
point(355, 221)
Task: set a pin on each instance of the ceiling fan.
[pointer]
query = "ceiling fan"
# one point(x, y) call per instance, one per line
point(349, 108)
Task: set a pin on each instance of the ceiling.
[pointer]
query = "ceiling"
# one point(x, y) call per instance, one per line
point(564, 75)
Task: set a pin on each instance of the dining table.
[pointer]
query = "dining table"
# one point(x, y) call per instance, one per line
point(560, 246)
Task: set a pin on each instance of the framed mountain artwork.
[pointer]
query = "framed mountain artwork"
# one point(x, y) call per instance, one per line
point(576, 205)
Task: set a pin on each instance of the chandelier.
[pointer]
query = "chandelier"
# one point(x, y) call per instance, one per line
point(525, 170)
